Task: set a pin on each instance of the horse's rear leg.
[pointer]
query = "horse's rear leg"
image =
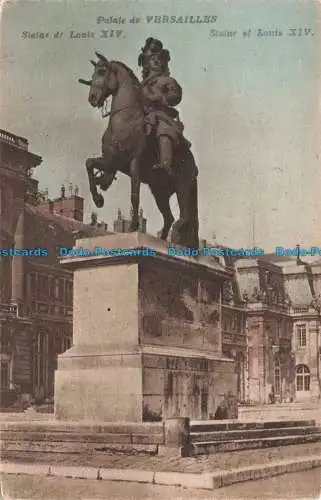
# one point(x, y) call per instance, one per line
point(185, 230)
point(162, 198)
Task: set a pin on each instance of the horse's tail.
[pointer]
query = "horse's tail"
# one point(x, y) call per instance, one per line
point(187, 161)
point(192, 172)
point(185, 230)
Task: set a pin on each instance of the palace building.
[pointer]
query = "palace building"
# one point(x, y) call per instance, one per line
point(35, 292)
point(283, 339)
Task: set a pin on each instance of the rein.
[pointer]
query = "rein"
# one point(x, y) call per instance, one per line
point(105, 113)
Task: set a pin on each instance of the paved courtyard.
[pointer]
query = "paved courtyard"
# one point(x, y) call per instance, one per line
point(211, 463)
point(301, 485)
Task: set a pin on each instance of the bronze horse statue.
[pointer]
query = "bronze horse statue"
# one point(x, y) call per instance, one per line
point(127, 148)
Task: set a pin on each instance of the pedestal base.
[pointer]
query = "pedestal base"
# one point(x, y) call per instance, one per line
point(99, 386)
point(154, 384)
point(147, 336)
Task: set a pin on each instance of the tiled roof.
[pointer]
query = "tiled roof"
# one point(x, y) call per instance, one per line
point(298, 290)
point(276, 259)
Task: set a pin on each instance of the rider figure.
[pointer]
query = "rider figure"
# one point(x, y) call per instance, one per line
point(161, 94)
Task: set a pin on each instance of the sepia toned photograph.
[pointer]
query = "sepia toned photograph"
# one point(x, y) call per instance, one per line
point(160, 254)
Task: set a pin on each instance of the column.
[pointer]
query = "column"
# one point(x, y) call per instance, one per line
point(17, 293)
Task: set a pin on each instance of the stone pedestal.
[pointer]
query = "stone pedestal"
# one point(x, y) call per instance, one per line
point(146, 334)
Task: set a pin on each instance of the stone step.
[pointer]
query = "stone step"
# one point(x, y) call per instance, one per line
point(77, 428)
point(311, 403)
point(25, 416)
point(251, 433)
point(13, 448)
point(73, 437)
point(214, 425)
point(205, 448)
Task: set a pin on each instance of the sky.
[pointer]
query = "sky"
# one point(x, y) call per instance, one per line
point(250, 106)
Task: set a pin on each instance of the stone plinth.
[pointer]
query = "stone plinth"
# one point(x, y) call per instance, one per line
point(146, 335)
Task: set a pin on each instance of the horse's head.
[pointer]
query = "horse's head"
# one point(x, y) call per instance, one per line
point(102, 83)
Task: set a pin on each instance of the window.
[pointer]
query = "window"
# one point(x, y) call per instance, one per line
point(52, 287)
point(43, 286)
point(170, 385)
point(33, 284)
point(40, 360)
point(60, 290)
point(69, 290)
point(301, 335)
point(65, 344)
point(227, 321)
point(4, 374)
point(277, 378)
point(302, 378)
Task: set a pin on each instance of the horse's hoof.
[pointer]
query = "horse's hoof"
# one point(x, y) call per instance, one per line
point(89, 163)
point(106, 180)
point(98, 200)
point(163, 235)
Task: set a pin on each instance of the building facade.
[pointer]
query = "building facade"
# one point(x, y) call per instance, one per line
point(283, 353)
point(35, 292)
point(303, 284)
point(269, 355)
point(234, 329)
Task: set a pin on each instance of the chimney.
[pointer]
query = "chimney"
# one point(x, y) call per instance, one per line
point(71, 206)
point(94, 219)
point(45, 205)
point(119, 223)
point(122, 225)
point(142, 222)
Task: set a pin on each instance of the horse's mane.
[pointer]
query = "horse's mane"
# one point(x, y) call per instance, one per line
point(129, 71)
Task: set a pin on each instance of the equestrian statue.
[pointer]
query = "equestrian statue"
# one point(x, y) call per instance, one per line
point(144, 139)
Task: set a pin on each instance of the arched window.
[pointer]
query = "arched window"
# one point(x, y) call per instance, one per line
point(302, 378)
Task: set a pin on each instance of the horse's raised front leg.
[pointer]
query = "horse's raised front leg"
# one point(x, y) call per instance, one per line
point(135, 192)
point(91, 164)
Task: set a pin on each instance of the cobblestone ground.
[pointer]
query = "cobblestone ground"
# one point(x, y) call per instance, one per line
point(200, 464)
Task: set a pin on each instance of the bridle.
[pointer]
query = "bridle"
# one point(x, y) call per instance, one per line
point(104, 109)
